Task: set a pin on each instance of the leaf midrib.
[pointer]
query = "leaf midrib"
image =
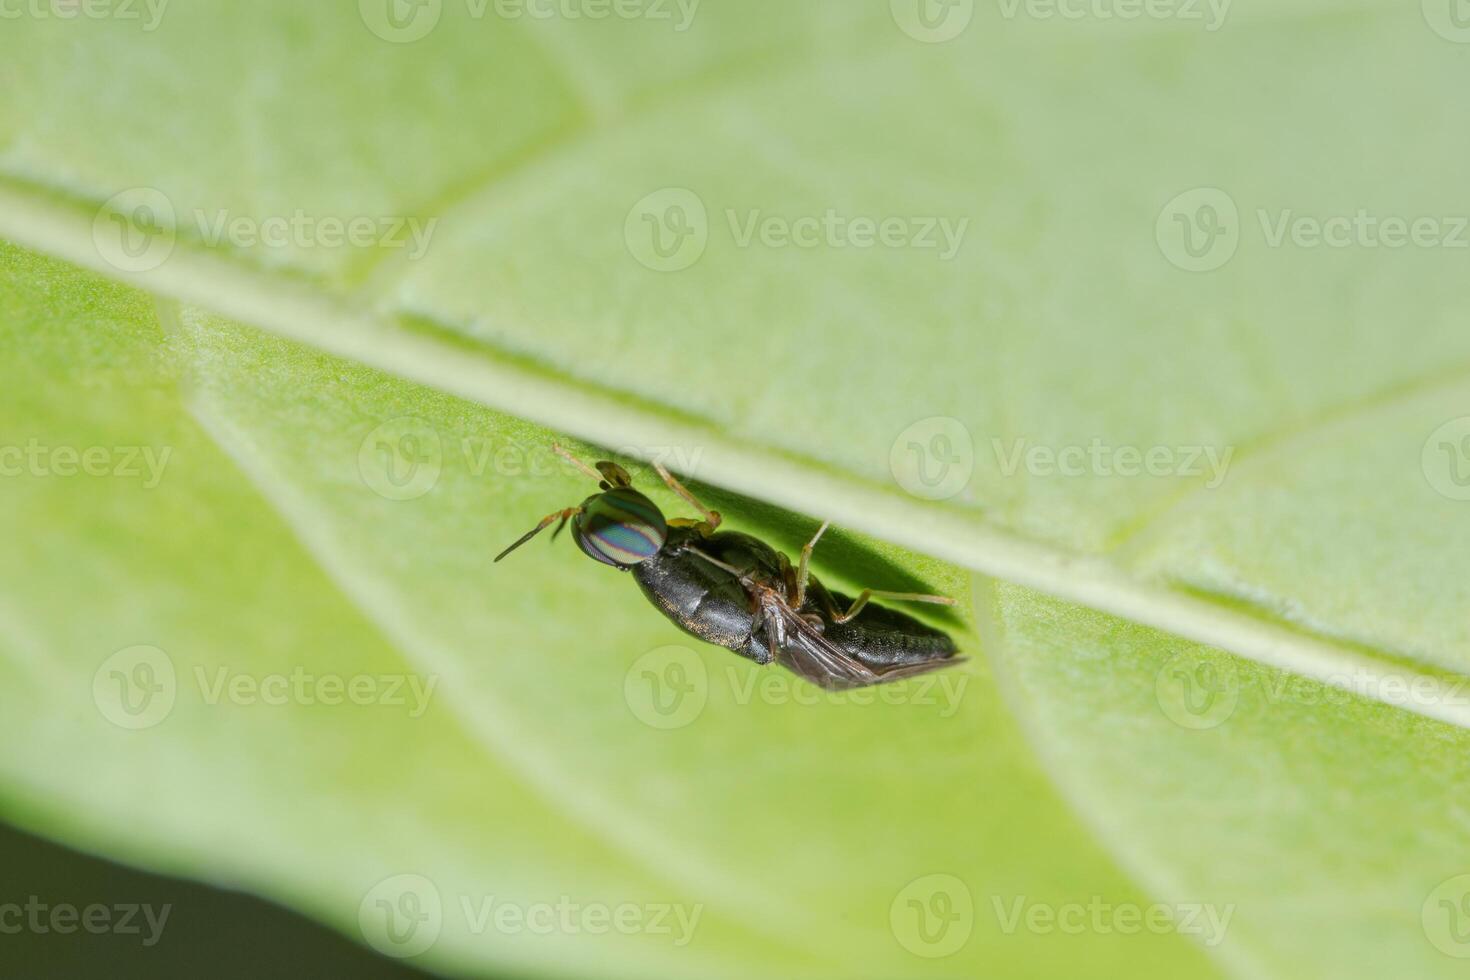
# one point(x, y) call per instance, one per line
point(610, 417)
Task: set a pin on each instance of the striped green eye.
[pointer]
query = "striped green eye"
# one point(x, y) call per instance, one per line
point(620, 527)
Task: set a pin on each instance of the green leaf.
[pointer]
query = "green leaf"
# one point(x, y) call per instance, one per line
point(784, 825)
point(1327, 823)
point(1063, 285)
point(1063, 158)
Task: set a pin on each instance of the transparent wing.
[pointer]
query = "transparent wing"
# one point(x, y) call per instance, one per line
point(802, 649)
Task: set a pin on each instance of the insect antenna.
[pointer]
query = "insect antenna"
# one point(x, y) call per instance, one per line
point(563, 515)
point(576, 462)
point(608, 475)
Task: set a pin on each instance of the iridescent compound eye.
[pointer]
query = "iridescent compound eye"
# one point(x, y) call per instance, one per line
point(620, 527)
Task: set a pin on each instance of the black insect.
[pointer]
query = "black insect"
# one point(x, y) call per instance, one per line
point(738, 592)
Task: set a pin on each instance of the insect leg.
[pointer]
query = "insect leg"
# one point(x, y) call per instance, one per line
point(563, 515)
point(801, 569)
point(717, 563)
point(763, 620)
point(866, 594)
point(711, 517)
point(775, 627)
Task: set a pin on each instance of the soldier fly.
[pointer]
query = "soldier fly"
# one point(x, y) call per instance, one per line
point(736, 591)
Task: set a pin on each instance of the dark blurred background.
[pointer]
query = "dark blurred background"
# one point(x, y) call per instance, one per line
point(209, 932)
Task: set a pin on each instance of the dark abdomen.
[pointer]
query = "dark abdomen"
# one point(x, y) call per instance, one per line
point(711, 604)
point(883, 637)
point(702, 599)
